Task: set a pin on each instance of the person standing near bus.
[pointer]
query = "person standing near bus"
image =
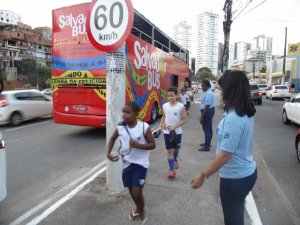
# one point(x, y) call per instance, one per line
point(207, 108)
point(174, 116)
point(234, 157)
point(136, 140)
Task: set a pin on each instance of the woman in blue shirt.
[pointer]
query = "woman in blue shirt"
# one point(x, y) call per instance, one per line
point(234, 148)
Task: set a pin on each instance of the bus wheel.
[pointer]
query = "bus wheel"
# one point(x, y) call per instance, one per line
point(154, 113)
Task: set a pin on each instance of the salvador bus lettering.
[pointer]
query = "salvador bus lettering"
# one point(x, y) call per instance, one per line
point(151, 62)
point(76, 23)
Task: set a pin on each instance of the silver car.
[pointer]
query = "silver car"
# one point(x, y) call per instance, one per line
point(3, 191)
point(20, 105)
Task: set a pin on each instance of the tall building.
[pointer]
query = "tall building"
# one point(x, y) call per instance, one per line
point(183, 35)
point(239, 52)
point(9, 17)
point(207, 41)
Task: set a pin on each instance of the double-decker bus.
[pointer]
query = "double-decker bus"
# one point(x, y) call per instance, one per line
point(154, 62)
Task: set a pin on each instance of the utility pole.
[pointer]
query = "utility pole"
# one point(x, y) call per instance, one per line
point(284, 56)
point(226, 29)
point(115, 100)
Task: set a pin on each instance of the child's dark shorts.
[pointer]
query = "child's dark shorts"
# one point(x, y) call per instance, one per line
point(172, 145)
point(134, 175)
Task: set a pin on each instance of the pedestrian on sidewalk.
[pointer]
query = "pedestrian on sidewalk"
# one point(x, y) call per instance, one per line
point(183, 98)
point(234, 156)
point(207, 109)
point(174, 116)
point(135, 140)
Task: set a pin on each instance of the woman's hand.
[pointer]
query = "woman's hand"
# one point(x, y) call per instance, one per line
point(197, 181)
point(112, 157)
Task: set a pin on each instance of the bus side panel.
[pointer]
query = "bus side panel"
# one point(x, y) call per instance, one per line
point(146, 74)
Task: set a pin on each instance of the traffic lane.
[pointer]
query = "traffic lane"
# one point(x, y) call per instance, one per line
point(276, 142)
point(44, 158)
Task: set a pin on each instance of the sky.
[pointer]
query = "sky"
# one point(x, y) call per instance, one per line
point(269, 18)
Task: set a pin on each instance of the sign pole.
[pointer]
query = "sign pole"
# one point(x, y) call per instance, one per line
point(115, 100)
point(109, 23)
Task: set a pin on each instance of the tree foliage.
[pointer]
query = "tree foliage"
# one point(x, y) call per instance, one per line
point(205, 73)
point(44, 75)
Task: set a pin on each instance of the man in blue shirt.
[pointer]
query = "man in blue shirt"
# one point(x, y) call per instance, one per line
point(207, 108)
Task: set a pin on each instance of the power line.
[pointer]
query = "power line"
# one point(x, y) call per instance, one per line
point(247, 4)
point(255, 7)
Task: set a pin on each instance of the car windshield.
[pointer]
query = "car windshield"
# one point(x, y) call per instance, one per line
point(262, 85)
point(281, 87)
point(253, 87)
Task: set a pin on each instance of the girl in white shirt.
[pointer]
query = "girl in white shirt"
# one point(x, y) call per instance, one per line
point(136, 139)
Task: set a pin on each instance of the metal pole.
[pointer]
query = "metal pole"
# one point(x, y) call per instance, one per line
point(284, 56)
point(115, 100)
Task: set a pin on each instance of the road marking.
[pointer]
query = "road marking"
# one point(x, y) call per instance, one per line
point(252, 210)
point(18, 128)
point(21, 219)
point(60, 202)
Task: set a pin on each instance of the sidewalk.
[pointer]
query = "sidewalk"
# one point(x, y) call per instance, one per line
point(167, 202)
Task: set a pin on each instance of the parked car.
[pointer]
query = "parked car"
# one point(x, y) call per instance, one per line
point(297, 145)
point(278, 91)
point(47, 91)
point(255, 94)
point(263, 88)
point(3, 191)
point(291, 110)
point(20, 105)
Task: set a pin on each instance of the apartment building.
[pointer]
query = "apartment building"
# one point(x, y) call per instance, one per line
point(207, 37)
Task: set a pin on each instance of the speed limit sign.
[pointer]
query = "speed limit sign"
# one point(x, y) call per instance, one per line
point(109, 23)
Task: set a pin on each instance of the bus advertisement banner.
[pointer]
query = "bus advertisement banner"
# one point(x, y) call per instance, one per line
point(79, 69)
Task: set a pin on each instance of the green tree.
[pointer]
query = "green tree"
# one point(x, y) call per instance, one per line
point(44, 75)
point(205, 73)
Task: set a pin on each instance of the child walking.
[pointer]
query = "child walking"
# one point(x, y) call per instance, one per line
point(174, 116)
point(136, 139)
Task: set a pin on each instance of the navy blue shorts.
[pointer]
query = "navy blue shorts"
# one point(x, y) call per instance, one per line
point(172, 145)
point(134, 175)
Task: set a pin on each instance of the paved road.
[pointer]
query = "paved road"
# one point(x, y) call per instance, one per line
point(44, 157)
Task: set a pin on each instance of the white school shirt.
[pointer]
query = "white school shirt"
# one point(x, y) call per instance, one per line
point(136, 156)
point(184, 98)
point(173, 116)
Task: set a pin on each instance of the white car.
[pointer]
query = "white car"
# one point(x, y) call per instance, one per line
point(278, 91)
point(263, 88)
point(3, 191)
point(291, 110)
point(20, 105)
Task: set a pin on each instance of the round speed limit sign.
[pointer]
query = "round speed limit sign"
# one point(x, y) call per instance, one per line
point(109, 23)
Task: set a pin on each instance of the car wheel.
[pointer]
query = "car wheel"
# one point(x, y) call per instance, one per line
point(298, 148)
point(15, 119)
point(154, 112)
point(285, 118)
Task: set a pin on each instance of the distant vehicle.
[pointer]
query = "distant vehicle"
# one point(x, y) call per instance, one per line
point(20, 105)
point(47, 91)
point(278, 91)
point(263, 88)
point(297, 145)
point(255, 94)
point(291, 110)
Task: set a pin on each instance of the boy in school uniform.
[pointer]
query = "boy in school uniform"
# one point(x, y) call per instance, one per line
point(174, 116)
